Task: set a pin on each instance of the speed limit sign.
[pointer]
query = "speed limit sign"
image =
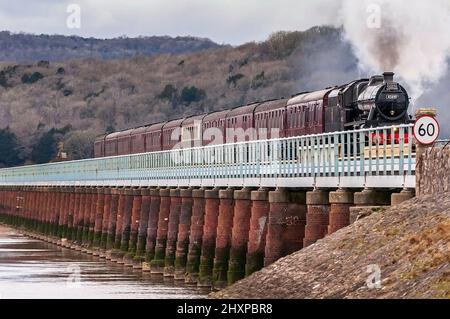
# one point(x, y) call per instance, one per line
point(426, 130)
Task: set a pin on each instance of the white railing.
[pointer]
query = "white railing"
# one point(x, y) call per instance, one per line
point(443, 142)
point(385, 151)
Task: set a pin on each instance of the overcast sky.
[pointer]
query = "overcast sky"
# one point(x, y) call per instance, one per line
point(223, 21)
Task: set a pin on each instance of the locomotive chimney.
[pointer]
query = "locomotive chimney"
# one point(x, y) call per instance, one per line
point(388, 77)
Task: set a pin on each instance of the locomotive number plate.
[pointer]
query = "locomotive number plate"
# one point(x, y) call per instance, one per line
point(391, 96)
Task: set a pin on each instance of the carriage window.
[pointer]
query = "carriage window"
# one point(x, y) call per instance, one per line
point(299, 118)
point(319, 112)
point(291, 121)
point(315, 114)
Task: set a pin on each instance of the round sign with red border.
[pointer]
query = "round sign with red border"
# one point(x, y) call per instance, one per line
point(426, 130)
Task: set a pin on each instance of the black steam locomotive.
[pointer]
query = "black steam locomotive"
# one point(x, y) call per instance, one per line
point(367, 103)
point(364, 103)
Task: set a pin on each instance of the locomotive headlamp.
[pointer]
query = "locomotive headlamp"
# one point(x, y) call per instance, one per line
point(392, 112)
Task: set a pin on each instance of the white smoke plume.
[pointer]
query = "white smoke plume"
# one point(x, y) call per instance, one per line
point(408, 37)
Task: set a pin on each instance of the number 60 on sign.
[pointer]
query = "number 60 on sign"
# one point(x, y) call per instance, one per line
point(426, 130)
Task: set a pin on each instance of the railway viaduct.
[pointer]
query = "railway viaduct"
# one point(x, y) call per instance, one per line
point(212, 215)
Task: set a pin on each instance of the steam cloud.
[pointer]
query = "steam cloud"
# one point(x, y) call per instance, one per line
point(407, 37)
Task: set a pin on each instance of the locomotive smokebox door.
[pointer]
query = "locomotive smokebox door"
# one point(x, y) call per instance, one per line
point(392, 100)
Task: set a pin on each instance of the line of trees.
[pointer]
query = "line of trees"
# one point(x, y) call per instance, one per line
point(9, 149)
point(46, 147)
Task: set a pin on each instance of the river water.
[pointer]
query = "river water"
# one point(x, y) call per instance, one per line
point(31, 268)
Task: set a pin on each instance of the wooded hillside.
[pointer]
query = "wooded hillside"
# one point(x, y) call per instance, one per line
point(73, 101)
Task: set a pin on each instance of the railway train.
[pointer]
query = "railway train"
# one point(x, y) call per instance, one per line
point(363, 103)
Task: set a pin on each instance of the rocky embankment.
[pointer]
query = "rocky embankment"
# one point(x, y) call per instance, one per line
point(410, 244)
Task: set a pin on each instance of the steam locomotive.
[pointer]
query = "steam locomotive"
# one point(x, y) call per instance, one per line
point(363, 103)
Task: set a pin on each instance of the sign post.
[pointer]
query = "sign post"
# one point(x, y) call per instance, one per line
point(425, 131)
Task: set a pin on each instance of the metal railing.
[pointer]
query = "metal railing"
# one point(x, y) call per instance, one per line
point(384, 151)
point(443, 142)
